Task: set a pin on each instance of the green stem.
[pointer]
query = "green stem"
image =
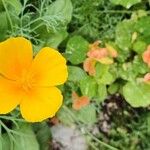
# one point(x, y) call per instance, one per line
point(119, 11)
point(8, 16)
point(91, 135)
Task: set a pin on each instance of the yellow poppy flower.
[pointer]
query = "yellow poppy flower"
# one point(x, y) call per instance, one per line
point(30, 82)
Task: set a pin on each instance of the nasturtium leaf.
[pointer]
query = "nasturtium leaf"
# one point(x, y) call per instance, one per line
point(139, 47)
point(1, 6)
point(137, 94)
point(101, 69)
point(103, 76)
point(101, 93)
point(128, 71)
point(5, 142)
point(77, 48)
point(26, 139)
point(107, 78)
point(125, 3)
point(76, 74)
point(139, 66)
point(88, 87)
point(113, 88)
point(65, 117)
point(142, 26)
point(14, 6)
point(87, 114)
point(61, 8)
point(124, 31)
point(132, 70)
point(3, 25)
point(56, 38)
point(43, 135)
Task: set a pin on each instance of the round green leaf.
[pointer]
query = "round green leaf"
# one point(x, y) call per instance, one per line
point(101, 93)
point(87, 114)
point(137, 94)
point(88, 87)
point(26, 139)
point(76, 73)
point(77, 48)
point(124, 32)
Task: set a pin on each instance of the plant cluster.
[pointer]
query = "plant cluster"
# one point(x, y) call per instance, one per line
point(107, 48)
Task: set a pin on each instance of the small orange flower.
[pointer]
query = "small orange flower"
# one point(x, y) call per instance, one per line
point(97, 54)
point(30, 82)
point(79, 102)
point(147, 78)
point(89, 66)
point(146, 56)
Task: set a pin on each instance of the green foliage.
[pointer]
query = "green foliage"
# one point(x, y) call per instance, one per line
point(27, 138)
point(124, 31)
point(94, 19)
point(139, 47)
point(43, 135)
point(52, 23)
point(137, 94)
point(3, 25)
point(5, 142)
point(101, 93)
point(103, 74)
point(75, 52)
point(63, 8)
point(125, 3)
point(76, 74)
point(88, 86)
point(65, 117)
point(70, 26)
point(87, 115)
point(113, 88)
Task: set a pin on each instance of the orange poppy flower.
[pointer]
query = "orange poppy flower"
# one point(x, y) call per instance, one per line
point(146, 56)
point(79, 102)
point(30, 82)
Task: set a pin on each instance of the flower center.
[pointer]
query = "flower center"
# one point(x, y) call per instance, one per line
point(25, 82)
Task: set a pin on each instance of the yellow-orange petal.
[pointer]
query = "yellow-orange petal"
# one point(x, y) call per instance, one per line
point(41, 104)
point(49, 68)
point(10, 95)
point(15, 57)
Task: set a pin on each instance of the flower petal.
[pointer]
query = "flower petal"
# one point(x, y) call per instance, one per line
point(10, 96)
point(41, 104)
point(49, 68)
point(89, 66)
point(15, 57)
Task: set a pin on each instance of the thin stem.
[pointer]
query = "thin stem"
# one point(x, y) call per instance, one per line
point(11, 118)
point(91, 135)
point(119, 11)
point(8, 16)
